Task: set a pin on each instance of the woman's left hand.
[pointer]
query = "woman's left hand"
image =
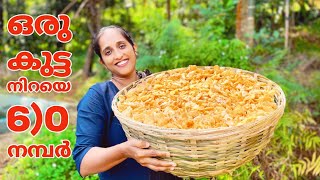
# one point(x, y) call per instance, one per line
point(137, 150)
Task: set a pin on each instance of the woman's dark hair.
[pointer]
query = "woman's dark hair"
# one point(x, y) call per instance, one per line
point(123, 32)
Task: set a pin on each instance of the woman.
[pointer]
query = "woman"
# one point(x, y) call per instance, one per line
point(101, 145)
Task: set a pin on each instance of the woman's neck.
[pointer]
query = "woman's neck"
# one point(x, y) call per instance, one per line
point(122, 82)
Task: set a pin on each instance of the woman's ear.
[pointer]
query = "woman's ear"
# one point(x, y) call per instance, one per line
point(135, 48)
point(101, 62)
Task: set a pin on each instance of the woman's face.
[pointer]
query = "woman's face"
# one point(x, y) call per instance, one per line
point(117, 53)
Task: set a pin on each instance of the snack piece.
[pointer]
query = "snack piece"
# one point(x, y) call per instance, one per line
point(198, 98)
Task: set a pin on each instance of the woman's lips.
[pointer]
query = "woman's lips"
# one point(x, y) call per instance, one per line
point(122, 63)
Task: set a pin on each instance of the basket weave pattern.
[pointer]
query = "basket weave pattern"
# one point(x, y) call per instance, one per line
point(207, 152)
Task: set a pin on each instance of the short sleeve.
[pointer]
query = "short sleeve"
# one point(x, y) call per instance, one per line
point(91, 120)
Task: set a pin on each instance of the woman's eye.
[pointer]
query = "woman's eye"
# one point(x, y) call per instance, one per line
point(108, 52)
point(122, 46)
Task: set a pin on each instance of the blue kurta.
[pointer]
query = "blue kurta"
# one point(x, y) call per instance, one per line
point(98, 127)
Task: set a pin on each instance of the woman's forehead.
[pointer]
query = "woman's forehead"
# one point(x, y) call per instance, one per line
point(111, 36)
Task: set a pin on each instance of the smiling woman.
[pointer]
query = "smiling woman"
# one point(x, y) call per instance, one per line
point(117, 54)
point(101, 145)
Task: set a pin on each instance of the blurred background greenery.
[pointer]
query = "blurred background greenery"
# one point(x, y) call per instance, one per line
point(247, 34)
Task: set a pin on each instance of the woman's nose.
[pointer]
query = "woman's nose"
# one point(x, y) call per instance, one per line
point(118, 54)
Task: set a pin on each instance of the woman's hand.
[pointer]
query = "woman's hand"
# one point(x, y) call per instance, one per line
point(136, 149)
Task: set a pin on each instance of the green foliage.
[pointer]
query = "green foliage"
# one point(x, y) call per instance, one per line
point(315, 93)
point(271, 13)
point(246, 172)
point(275, 68)
point(267, 41)
point(293, 132)
point(217, 19)
point(302, 45)
point(186, 49)
point(293, 136)
point(199, 37)
point(293, 151)
point(78, 60)
point(306, 166)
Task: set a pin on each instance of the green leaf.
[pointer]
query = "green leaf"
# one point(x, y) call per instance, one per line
point(306, 7)
point(295, 7)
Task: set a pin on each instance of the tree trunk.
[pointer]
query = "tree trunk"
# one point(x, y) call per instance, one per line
point(245, 21)
point(240, 18)
point(87, 70)
point(250, 28)
point(57, 7)
point(168, 10)
point(291, 42)
point(94, 24)
point(286, 42)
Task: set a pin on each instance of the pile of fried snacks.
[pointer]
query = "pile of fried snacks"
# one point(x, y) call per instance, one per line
point(198, 98)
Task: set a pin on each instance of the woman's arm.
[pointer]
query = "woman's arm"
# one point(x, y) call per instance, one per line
point(90, 155)
point(99, 159)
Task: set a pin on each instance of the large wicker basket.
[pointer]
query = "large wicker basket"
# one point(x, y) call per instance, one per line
point(207, 152)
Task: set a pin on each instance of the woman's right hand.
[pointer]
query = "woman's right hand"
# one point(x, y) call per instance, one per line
point(137, 150)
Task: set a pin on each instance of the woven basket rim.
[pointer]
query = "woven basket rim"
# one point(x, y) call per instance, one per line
point(231, 129)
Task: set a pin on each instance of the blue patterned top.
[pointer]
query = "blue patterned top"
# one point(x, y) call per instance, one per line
point(98, 127)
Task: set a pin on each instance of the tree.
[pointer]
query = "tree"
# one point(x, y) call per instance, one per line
point(94, 14)
point(168, 10)
point(245, 21)
point(286, 42)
